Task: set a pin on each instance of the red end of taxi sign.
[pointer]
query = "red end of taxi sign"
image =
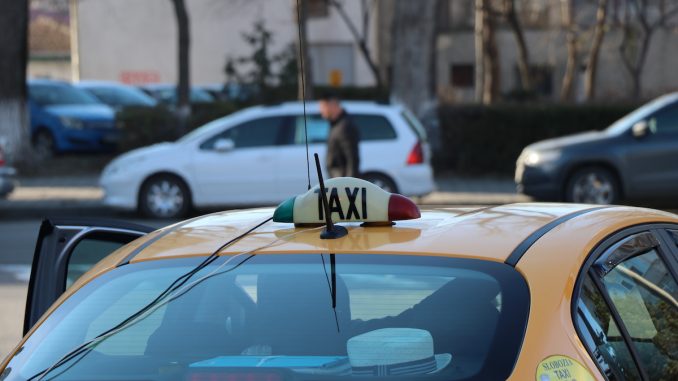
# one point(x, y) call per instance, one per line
point(350, 200)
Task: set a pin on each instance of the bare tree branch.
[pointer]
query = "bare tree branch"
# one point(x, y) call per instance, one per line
point(361, 40)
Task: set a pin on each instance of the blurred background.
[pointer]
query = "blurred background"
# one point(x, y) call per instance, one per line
point(502, 100)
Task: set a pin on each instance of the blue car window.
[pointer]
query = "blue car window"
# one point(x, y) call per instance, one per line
point(54, 95)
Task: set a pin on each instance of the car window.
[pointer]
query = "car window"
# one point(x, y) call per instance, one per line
point(415, 125)
point(264, 307)
point(643, 293)
point(262, 132)
point(665, 120)
point(370, 127)
point(86, 253)
point(121, 96)
point(601, 335)
point(317, 129)
point(54, 95)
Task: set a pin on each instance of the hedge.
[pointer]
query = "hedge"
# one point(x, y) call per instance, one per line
point(143, 126)
point(480, 140)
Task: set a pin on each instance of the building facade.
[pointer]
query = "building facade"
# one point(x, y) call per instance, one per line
point(545, 35)
point(135, 41)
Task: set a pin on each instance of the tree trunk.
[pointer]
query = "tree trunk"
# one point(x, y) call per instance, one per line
point(304, 74)
point(14, 131)
point(184, 45)
point(592, 62)
point(523, 52)
point(490, 56)
point(413, 33)
point(360, 40)
point(478, 45)
point(567, 11)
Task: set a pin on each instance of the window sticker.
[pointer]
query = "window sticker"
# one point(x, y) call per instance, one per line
point(562, 368)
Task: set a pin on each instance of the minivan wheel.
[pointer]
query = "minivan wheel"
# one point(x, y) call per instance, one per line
point(593, 185)
point(383, 182)
point(164, 196)
point(43, 145)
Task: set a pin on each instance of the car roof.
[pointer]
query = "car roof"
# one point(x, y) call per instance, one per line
point(490, 233)
point(93, 83)
point(45, 81)
point(313, 106)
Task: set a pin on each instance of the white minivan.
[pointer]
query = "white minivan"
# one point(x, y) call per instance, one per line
point(257, 156)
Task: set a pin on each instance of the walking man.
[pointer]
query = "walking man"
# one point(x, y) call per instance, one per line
point(343, 156)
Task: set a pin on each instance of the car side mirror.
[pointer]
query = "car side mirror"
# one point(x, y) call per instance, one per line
point(640, 129)
point(224, 145)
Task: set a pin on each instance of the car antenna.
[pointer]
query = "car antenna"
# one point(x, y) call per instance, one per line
point(303, 90)
point(331, 230)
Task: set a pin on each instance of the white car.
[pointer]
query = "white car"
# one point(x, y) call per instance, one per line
point(257, 156)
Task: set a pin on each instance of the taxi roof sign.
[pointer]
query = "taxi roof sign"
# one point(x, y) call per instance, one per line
point(350, 200)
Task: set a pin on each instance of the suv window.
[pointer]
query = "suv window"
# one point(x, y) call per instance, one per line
point(243, 310)
point(641, 291)
point(263, 132)
point(370, 127)
point(665, 120)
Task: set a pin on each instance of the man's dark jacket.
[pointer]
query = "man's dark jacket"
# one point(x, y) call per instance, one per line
point(343, 157)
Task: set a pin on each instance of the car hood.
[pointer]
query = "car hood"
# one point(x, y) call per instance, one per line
point(152, 151)
point(84, 112)
point(568, 141)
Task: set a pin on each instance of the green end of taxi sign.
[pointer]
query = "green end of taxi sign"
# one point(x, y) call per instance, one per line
point(350, 200)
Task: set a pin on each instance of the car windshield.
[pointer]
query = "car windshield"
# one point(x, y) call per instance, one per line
point(55, 95)
point(640, 113)
point(169, 95)
point(270, 317)
point(121, 96)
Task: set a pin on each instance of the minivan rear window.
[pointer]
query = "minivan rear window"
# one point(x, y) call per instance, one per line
point(410, 317)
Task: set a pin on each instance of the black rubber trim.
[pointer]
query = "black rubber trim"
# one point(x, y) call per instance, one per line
point(151, 241)
point(524, 246)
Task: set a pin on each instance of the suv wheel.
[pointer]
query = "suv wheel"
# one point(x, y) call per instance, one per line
point(593, 185)
point(164, 196)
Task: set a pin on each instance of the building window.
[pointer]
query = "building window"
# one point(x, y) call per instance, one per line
point(317, 8)
point(461, 75)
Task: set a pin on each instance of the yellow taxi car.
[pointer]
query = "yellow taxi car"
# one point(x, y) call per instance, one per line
point(540, 292)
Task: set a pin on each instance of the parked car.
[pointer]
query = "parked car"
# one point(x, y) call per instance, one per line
point(636, 158)
point(67, 119)
point(518, 292)
point(117, 95)
point(7, 175)
point(233, 92)
point(253, 157)
point(167, 94)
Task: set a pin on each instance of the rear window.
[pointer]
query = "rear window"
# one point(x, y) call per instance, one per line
point(270, 317)
point(415, 125)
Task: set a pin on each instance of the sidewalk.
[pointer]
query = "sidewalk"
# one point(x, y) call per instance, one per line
point(74, 192)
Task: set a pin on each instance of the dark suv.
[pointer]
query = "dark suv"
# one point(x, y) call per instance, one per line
point(634, 158)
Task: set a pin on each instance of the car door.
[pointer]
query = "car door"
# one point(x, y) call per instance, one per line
point(239, 164)
point(66, 249)
point(652, 158)
point(627, 307)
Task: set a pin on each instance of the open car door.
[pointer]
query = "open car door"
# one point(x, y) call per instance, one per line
point(66, 249)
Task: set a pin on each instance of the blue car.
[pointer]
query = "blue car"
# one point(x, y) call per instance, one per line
point(67, 119)
point(117, 95)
